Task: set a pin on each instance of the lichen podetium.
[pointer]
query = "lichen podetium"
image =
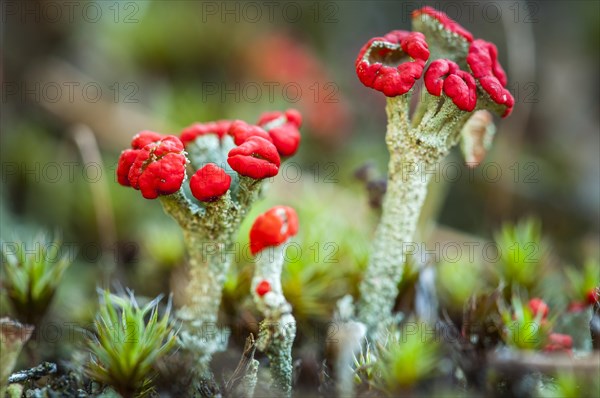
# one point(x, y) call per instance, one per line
point(441, 51)
point(269, 236)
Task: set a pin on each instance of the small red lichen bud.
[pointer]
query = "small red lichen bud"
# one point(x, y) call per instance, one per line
point(169, 144)
point(294, 117)
point(286, 138)
point(559, 342)
point(538, 306)
point(241, 131)
point(381, 63)
point(163, 177)
point(461, 88)
point(444, 20)
point(273, 228)
point(593, 296)
point(209, 183)
point(413, 44)
point(126, 160)
point(263, 288)
point(256, 158)
point(434, 76)
point(498, 93)
point(483, 62)
point(220, 128)
point(457, 84)
point(283, 130)
point(159, 168)
point(141, 160)
point(144, 138)
point(291, 116)
point(268, 117)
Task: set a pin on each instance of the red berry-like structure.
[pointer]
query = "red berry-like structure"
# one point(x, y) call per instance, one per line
point(457, 84)
point(143, 138)
point(483, 62)
point(263, 288)
point(210, 183)
point(256, 158)
point(283, 130)
point(157, 168)
point(273, 228)
point(126, 160)
point(241, 131)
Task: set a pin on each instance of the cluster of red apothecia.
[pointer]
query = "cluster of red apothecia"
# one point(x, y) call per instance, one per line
point(376, 65)
point(156, 164)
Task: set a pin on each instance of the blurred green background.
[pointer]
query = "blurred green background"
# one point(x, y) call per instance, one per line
point(81, 78)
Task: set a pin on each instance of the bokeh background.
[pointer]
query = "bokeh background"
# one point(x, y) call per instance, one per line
point(81, 78)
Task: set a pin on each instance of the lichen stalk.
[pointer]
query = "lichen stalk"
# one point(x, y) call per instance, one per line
point(414, 152)
point(440, 126)
point(426, 103)
point(181, 209)
point(278, 330)
point(208, 266)
point(208, 234)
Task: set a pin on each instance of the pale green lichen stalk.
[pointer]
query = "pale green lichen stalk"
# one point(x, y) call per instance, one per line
point(462, 77)
point(414, 152)
point(278, 330)
point(209, 235)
